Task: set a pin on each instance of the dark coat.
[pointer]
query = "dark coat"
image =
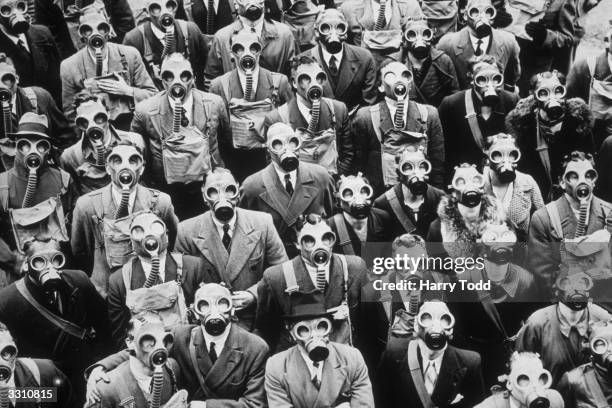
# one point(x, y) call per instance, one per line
point(576, 389)
point(223, 17)
point(502, 400)
point(50, 376)
point(50, 15)
point(378, 230)
point(603, 188)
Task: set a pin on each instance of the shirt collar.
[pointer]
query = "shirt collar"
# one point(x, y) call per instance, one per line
point(327, 55)
point(161, 35)
point(511, 281)
point(231, 223)
point(247, 24)
point(392, 104)
point(281, 175)
point(426, 354)
point(15, 38)
point(92, 55)
point(310, 364)
point(565, 326)
point(485, 41)
point(143, 380)
point(187, 104)
point(146, 266)
point(219, 340)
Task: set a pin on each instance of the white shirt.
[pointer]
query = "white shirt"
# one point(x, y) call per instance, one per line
point(485, 43)
point(187, 105)
point(505, 200)
point(218, 340)
point(427, 359)
point(314, 371)
point(146, 266)
point(304, 110)
point(281, 176)
point(104, 61)
point(312, 271)
point(577, 211)
point(247, 24)
point(327, 56)
point(243, 78)
point(143, 380)
point(161, 35)
point(215, 5)
point(231, 223)
point(359, 226)
point(388, 10)
point(15, 38)
point(117, 197)
point(392, 105)
point(14, 103)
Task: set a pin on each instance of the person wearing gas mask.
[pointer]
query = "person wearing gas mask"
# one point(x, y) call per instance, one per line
point(161, 33)
point(383, 130)
point(434, 72)
point(321, 123)
point(350, 69)
point(249, 93)
point(31, 47)
point(66, 318)
point(154, 273)
point(100, 231)
point(548, 126)
point(340, 278)
point(224, 237)
point(19, 372)
point(305, 375)
point(288, 187)
point(222, 365)
point(432, 371)
point(116, 71)
point(558, 332)
point(358, 222)
point(479, 38)
point(527, 386)
point(278, 43)
point(197, 11)
point(181, 126)
point(86, 159)
point(412, 202)
point(470, 117)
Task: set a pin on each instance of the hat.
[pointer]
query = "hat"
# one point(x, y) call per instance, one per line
point(32, 124)
point(307, 306)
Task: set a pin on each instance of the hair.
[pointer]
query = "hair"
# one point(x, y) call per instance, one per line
point(175, 57)
point(87, 95)
point(217, 171)
point(128, 142)
point(574, 157)
point(416, 19)
point(387, 61)
point(4, 328)
point(484, 59)
point(352, 176)
point(138, 320)
point(522, 355)
point(535, 79)
point(410, 148)
point(298, 61)
point(29, 243)
point(327, 12)
point(407, 241)
point(312, 219)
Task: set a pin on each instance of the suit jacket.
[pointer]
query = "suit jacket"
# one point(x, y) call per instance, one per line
point(344, 379)
point(344, 142)
point(603, 188)
point(87, 228)
point(356, 83)
point(224, 15)
point(313, 193)
point(576, 389)
point(502, 400)
point(278, 47)
point(378, 227)
point(50, 15)
point(153, 119)
point(460, 374)
point(81, 66)
point(50, 376)
point(195, 271)
point(274, 302)
point(502, 45)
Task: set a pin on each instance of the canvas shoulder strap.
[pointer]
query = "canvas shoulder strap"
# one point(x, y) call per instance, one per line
point(343, 236)
point(147, 51)
point(399, 211)
point(185, 30)
point(187, 6)
point(225, 86)
point(417, 375)
point(473, 120)
point(33, 367)
point(375, 115)
point(65, 181)
point(555, 220)
point(178, 258)
point(423, 113)
point(196, 366)
point(126, 273)
point(595, 388)
point(283, 112)
point(290, 279)
point(276, 79)
point(330, 104)
point(4, 191)
point(591, 61)
point(31, 95)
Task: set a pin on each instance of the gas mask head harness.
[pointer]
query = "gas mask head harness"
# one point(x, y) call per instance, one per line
point(479, 15)
point(177, 76)
point(125, 164)
point(214, 308)
point(579, 176)
point(548, 88)
point(8, 354)
point(467, 185)
point(434, 324)
point(528, 381)
point(331, 30)
point(252, 10)
point(148, 341)
point(149, 235)
point(283, 144)
point(315, 240)
point(354, 195)
point(498, 241)
point(395, 81)
point(413, 169)
point(246, 50)
point(417, 37)
point(308, 80)
point(573, 290)
point(92, 120)
point(600, 344)
point(503, 157)
point(8, 81)
point(221, 193)
point(161, 13)
point(487, 79)
point(44, 263)
point(14, 16)
point(95, 31)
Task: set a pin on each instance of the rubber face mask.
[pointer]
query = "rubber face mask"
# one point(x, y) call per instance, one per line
point(579, 180)
point(8, 357)
point(161, 13)
point(8, 83)
point(313, 335)
point(213, 306)
point(151, 344)
point(246, 50)
point(434, 325)
point(499, 242)
point(32, 152)
point(600, 342)
point(92, 120)
point(177, 77)
point(95, 32)
point(252, 10)
point(149, 235)
point(503, 158)
point(418, 38)
point(487, 81)
point(308, 82)
point(125, 166)
point(414, 169)
point(283, 147)
point(354, 194)
point(14, 16)
point(396, 81)
point(331, 30)
point(550, 97)
point(528, 382)
point(479, 15)
point(468, 186)
point(221, 195)
point(315, 242)
point(45, 263)
point(573, 290)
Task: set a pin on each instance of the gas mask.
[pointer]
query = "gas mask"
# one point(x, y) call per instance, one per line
point(149, 235)
point(315, 242)
point(8, 83)
point(468, 186)
point(8, 356)
point(550, 97)
point(434, 325)
point(503, 158)
point(149, 342)
point(125, 166)
point(573, 290)
point(308, 82)
point(221, 195)
point(214, 308)
point(413, 170)
point(528, 381)
point(498, 241)
point(95, 32)
point(45, 262)
point(354, 194)
point(92, 120)
point(396, 80)
point(32, 152)
point(418, 38)
point(313, 335)
point(14, 16)
point(161, 13)
point(579, 179)
point(252, 10)
point(600, 342)
point(331, 30)
point(283, 144)
point(479, 15)
point(177, 76)
point(246, 50)
point(487, 82)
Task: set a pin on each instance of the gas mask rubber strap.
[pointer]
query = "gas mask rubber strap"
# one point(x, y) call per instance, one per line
point(194, 360)
point(473, 121)
point(417, 375)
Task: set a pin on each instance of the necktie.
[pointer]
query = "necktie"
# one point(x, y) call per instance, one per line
point(380, 20)
point(210, 17)
point(184, 120)
point(226, 240)
point(333, 67)
point(288, 185)
point(430, 377)
point(398, 119)
point(212, 353)
point(315, 377)
point(248, 89)
point(478, 50)
point(22, 46)
point(582, 218)
point(321, 281)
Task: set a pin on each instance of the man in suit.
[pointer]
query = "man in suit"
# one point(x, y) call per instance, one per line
point(106, 212)
point(351, 70)
point(471, 116)
point(288, 188)
point(197, 11)
point(56, 313)
point(239, 243)
point(115, 70)
point(339, 278)
point(316, 371)
point(201, 124)
point(249, 92)
point(320, 121)
point(163, 35)
point(278, 44)
point(222, 365)
point(432, 371)
point(479, 38)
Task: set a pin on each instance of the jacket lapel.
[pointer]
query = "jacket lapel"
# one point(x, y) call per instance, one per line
point(334, 375)
point(566, 215)
point(302, 277)
point(494, 49)
point(264, 85)
point(228, 360)
point(305, 192)
point(275, 195)
point(295, 116)
point(204, 363)
point(161, 116)
point(198, 116)
point(108, 204)
point(235, 86)
point(386, 122)
point(448, 379)
point(209, 243)
point(297, 376)
point(464, 45)
point(142, 200)
point(244, 241)
point(366, 21)
point(345, 78)
point(336, 280)
point(268, 34)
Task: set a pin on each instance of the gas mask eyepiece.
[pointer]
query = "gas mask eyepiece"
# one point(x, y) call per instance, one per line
point(414, 169)
point(418, 37)
point(600, 342)
point(149, 235)
point(33, 152)
point(331, 30)
point(222, 198)
point(528, 381)
point(213, 305)
point(8, 355)
point(355, 196)
point(487, 82)
point(579, 177)
point(14, 16)
point(46, 269)
point(283, 145)
point(313, 335)
point(499, 241)
point(550, 95)
point(503, 157)
point(468, 185)
point(434, 325)
point(480, 17)
point(573, 290)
